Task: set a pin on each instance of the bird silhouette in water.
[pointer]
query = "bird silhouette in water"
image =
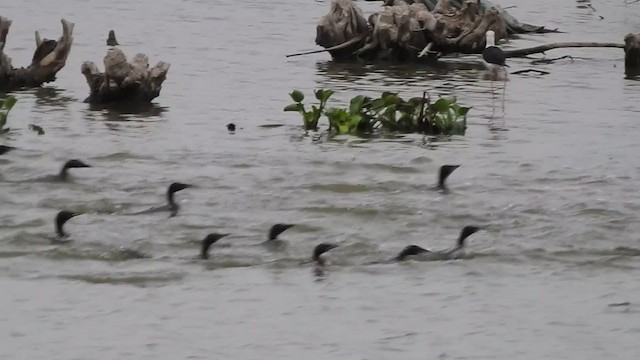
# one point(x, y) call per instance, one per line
point(207, 242)
point(172, 207)
point(272, 240)
point(62, 217)
point(5, 149)
point(413, 250)
point(443, 174)
point(319, 260)
point(63, 175)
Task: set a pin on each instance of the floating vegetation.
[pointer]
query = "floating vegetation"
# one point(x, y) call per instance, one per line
point(389, 113)
point(6, 105)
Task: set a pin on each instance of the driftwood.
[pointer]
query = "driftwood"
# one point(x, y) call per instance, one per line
point(407, 29)
point(49, 58)
point(124, 82)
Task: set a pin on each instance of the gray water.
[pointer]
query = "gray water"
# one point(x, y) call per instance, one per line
point(553, 177)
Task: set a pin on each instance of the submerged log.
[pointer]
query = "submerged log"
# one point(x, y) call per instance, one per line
point(407, 29)
point(49, 57)
point(124, 82)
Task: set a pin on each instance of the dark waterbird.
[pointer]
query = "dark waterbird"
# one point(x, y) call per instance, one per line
point(412, 250)
point(443, 174)
point(207, 242)
point(5, 149)
point(273, 242)
point(171, 205)
point(63, 175)
point(321, 249)
point(71, 164)
point(278, 229)
point(62, 217)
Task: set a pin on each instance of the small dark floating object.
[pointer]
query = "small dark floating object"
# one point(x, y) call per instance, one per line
point(626, 303)
point(270, 126)
point(37, 129)
point(5, 149)
point(111, 39)
point(526, 71)
point(231, 127)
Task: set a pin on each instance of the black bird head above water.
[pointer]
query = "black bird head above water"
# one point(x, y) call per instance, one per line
point(278, 229)
point(62, 218)
point(5, 149)
point(174, 188)
point(466, 232)
point(445, 171)
point(410, 250)
point(231, 127)
point(208, 241)
point(71, 164)
point(321, 249)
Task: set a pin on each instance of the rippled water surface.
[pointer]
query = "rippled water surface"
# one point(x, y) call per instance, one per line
point(553, 177)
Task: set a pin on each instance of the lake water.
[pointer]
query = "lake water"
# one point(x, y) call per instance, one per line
point(553, 177)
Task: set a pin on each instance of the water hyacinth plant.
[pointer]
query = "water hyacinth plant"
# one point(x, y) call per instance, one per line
point(5, 106)
point(389, 112)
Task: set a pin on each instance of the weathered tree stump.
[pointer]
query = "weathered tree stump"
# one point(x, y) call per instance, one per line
point(124, 82)
point(405, 30)
point(50, 56)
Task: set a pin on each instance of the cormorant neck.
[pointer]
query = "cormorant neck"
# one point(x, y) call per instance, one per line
point(204, 252)
point(59, 230)
point(63, 172)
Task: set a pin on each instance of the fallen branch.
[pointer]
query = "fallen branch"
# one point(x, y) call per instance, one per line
point(550, 61)
point(333, 48)
point(547, 47)
point(526, 71)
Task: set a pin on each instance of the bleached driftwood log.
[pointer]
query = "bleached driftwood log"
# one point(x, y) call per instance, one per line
point(407, 29)
point(50, 56)
point(124, 82)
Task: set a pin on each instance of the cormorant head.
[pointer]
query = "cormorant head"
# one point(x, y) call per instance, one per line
point(445, 171)
point(410, 250)
point(278, 229)
point(466, 232)
point(5, 149)
point(208, 241)
point(176, 186)
point(62, 218)
point(321, 249)
point(231, 127)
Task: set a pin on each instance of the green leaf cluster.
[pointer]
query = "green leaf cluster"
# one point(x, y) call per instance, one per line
point(6, 105)
point(389, 112)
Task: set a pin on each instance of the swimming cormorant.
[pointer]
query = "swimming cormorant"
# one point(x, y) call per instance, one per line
point(61, 219)
point(71, 164)
point(278, 229)
point(171, 205)
point(321, 249)
point(5, 149)
point(416, 250)
point(207, 242)
point(443, 174)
